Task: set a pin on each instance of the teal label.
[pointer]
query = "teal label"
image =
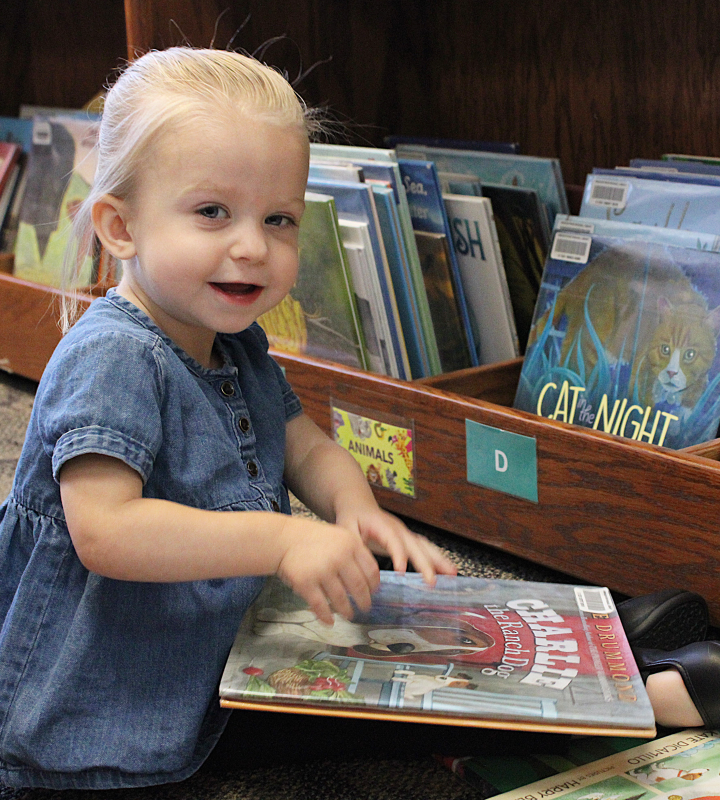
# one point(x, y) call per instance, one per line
point(501, 460)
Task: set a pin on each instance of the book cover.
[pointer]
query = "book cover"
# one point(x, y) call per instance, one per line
point(624, 340)
point(468, 651)
point(319, 317)
point(356, 201)
point(9, 155)
point(60, 171)
point(660, 175)
point(381, 165)
point(682, 766)
point(668, 204)
point(455, 144)
point(633, 230)
point(477, 248)
point(696, 167)
point(686, 157)
point(494, 774)
point(524, 246)
point(401, 278)
point(368, 296)
point(532, 172)
point(428, 215)
point(388, 174)
point(434, 252)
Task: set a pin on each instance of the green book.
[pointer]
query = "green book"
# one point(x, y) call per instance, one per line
point(319, 316)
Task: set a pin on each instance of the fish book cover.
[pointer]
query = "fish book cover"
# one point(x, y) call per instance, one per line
point(467, 651)
point(624, 340)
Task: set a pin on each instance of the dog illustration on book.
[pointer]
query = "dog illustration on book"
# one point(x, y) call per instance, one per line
point(430, 634)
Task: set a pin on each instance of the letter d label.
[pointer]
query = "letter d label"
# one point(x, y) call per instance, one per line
point(501, 462)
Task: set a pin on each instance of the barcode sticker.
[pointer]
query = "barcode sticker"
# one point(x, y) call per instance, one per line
point(575, 226)
point(41, 132)
point(609, 193)
point(573, 247)
point(594, 600)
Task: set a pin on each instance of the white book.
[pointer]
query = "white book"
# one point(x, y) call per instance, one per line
point(481, 269)
point(358, 246)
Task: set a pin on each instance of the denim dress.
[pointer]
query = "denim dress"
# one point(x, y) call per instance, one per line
point(107, 683)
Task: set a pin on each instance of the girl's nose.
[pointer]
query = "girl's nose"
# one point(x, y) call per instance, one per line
point(249, 243)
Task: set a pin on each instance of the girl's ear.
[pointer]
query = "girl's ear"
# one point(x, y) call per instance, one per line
point(110, 219)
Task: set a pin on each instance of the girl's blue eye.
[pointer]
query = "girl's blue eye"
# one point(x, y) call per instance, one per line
point(279, 220)
point(213, 212)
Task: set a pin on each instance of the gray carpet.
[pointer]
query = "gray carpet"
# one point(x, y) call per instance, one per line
point(349, 777)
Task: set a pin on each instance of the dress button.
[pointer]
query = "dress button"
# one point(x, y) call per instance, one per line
point(252, 469)
point(227, 389)
point(275, 505)
point(244, 424)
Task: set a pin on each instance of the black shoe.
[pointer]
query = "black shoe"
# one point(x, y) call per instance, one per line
point(664, 620)
point(699, 665)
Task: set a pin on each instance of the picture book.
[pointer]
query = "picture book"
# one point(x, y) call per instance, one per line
point(681, 766)
point(368, 296)
point(468, 651)
point(660, 175)
point(686, 157)
point(460, 183)
point(697, 167)
point(428, 215)
point(455, 144)
point(667, 204)
point(9, 155)
point(60, 171)
point(355, 200)
point(493, 774)
point(434, 252)
point(319, 316)
point(477, 248)
point(533, 172)
point(624, 340)
point(400, 275)
point(388, 174)
point(381, 166)
point(524, 246)
point(632, 230)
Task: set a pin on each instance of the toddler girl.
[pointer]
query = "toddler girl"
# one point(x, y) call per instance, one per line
point(150, 497)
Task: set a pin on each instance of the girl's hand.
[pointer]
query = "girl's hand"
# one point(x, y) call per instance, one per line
point(385, 534)
point(327, 565)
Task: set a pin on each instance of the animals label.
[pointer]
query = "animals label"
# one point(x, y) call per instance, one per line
point(383, 449)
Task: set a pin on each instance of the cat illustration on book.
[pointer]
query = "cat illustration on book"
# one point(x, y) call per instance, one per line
point(639, 322)
point(646, 303)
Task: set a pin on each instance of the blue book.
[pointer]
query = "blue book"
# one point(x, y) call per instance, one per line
point(381, 165)
point(19, 131)
point(533, 172)
point(624, 341)
point(668, 204)
point(429, 215)
point(455, 144)
point(401, 280)
point(659, 175)
point(629, 230)
point(696, 167)
point(355, 201)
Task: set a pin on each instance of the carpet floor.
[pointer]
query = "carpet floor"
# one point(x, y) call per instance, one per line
point(363, 768)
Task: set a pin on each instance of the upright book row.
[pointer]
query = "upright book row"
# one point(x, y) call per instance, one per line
point(419, 259)
point(415, 260)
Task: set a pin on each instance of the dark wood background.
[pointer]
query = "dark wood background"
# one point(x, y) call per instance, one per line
point(594, 82)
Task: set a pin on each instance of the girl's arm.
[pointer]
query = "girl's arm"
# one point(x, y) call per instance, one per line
point(120, 534)
point(330, 482)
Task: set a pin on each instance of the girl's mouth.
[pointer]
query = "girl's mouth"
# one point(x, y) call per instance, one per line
point(238, 292)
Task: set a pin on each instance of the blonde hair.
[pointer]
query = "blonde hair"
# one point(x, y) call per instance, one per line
point(162, 89)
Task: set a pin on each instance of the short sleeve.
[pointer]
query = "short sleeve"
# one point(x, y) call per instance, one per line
point(103, 394)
